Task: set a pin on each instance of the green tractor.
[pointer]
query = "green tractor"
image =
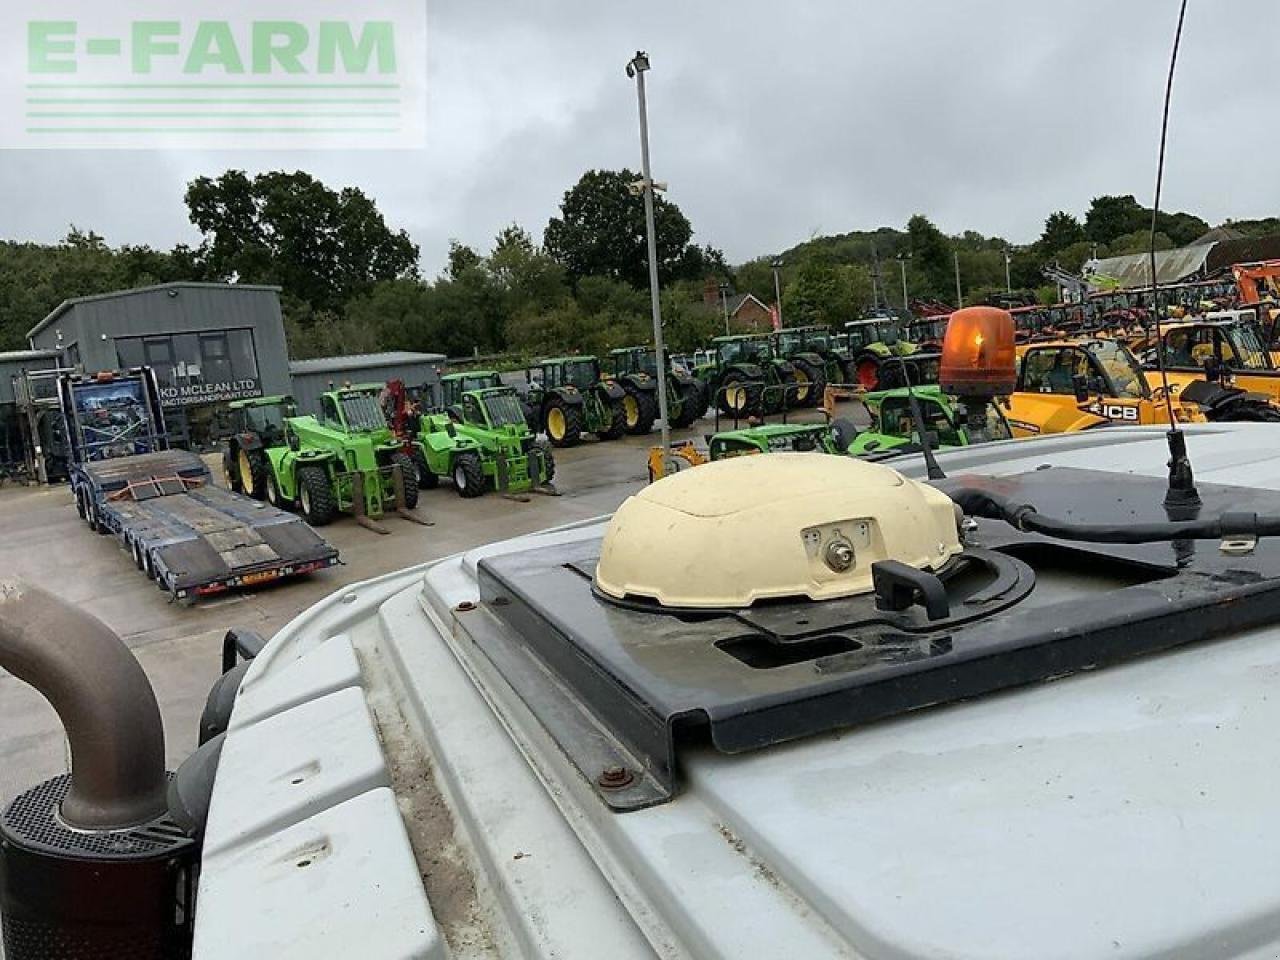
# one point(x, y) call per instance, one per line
point(346, 461)
point(571, 398)
point(739, 377)
point(893, 425)
point(782, 438)
point(686, 396)
point(454, 385)
point(811, 352)
point(483, 442)
point(879, 360)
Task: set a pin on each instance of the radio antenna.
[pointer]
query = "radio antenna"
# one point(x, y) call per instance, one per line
point(1182, 487)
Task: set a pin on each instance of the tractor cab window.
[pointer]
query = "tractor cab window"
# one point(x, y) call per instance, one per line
point(581, 373)
point(471, 412)
point(1052, 369)
point(267, 422)
point(481, 383)
point(362, 412)
point(896, 420)
point(647, 362)
point(862, 335)
point(818, 340)
point(329, 410)
point(1120, 368)
point(733, 351)
point(1244, 348)
point(1190, 347)
point(791, 341)
point(505, 410)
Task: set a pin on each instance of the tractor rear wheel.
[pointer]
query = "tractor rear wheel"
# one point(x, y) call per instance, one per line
point(562, 423)
point(253, 473)
point(738, 396)
point(1250, 411)
point(616, 426)
point(811, 382)
point(408, 476)
point(641, 408)
point(315, 495)
point(468, 476)
point(549, 458)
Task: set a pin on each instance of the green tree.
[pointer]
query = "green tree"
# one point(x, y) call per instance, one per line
point(1111, 216)
point(322, 246)
point(931, 258)
point(601, 232)
point(1061, 230)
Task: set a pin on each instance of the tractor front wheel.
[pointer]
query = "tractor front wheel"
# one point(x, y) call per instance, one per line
point(408, 476)
point(1250, 411)
point(468, 476)
point(616, 426)
point(562, 424)
point(254, 470)
point(273, 491)
point(315, 495)
point(811, 383)
point(641, 408)
point(427, 479)
point(738, 397)
point(693, 404)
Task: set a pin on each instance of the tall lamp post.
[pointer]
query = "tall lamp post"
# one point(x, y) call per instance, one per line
point(636, 69)
point(778, 264)
point(1008, 280)
point(955, 254)
point(724, 302)
point(902, 259)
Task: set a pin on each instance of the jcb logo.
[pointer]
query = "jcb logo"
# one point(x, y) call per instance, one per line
point(1114, 411)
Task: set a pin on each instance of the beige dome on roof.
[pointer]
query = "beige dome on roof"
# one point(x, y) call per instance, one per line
point(774, 525)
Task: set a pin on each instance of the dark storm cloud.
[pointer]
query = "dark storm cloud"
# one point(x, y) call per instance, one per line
point(771, 121)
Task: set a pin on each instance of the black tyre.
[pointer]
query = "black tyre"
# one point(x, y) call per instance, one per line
point(549, 456)
point(641, 409)
point(230, 476)
point(616, 411)
point(426, 479)
point(739, 396)
point(468, 476)
point(1249, 411)
point(781, 393)
point(273, 492)
point(562, 423)
point(409, 476)
point(80, 507)
point(811, 382)
point(315, 496)
point(253, 470)
point(693, 404)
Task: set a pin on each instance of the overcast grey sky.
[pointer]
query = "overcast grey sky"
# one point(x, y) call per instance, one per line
point(772, 121)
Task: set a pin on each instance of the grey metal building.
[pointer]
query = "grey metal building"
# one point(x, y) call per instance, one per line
point(419, 371)
point(209, 344)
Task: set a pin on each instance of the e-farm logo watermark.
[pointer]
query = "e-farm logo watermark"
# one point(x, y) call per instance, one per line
point(270, 74)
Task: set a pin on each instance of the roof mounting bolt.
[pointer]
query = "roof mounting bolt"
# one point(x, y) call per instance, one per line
point(615, 778)
point(839, 555)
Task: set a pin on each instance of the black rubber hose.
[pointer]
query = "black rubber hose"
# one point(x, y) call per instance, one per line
point(976, 502)
point(103, 699)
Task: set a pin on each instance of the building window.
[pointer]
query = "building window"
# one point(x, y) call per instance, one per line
point(195, 368)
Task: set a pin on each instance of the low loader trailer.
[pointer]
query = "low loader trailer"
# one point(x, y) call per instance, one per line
point(192, 538)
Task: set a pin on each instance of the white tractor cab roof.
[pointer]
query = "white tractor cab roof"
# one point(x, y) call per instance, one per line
point(487, 757)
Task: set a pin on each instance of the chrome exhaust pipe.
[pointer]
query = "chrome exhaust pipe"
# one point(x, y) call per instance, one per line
point(104, 700)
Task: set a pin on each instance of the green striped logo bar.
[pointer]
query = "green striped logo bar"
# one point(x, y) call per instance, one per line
point(256, 74)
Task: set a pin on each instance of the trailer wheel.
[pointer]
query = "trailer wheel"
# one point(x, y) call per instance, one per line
point(316, 496)
point(80, 507)
point(409, 475)
point(468, 476)
point(95, 519)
